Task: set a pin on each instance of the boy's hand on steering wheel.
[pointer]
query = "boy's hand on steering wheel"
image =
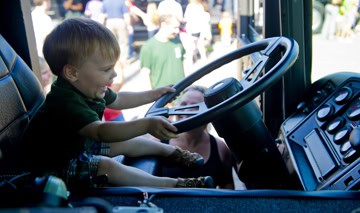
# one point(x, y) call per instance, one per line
point(161, 128)
point(158, 92)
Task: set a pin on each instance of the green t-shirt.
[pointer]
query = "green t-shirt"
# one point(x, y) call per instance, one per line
point(164, 60)
point(51, 139)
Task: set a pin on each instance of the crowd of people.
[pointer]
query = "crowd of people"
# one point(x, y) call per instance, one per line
point(119, 16)
point(97, 37)
point(341, 19)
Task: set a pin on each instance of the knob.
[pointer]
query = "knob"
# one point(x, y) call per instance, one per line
point(335, 125)
point(343, 95)
point(341, 135)
point(325, 112)
point(355, 138)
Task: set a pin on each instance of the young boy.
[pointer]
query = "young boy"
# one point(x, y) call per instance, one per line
point(67, 136)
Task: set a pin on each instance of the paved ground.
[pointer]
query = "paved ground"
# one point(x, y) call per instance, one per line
point(335, 55)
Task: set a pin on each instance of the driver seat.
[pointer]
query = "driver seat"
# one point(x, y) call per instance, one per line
point(21, 96)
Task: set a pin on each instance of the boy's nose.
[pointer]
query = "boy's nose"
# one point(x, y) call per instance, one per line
point(114, 74)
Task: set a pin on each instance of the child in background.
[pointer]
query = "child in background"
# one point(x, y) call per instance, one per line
point(46, 75)
point(225, 26)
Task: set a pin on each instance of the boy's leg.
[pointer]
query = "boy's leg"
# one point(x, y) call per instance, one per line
point(122, 175)
point(143, 146)
point(140, 146)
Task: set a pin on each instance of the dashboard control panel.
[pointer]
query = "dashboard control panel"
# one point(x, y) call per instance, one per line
point(317, 137)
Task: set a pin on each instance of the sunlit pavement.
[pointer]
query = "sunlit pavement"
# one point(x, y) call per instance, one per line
point(330, 56)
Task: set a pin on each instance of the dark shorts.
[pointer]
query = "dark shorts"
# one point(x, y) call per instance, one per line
point(196, 35)
point(83, 169)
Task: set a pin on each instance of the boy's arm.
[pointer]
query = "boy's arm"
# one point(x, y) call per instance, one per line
point(126, 100)
point(110, 132)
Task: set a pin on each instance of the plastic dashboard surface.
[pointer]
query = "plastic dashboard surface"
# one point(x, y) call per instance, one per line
point(317, 135)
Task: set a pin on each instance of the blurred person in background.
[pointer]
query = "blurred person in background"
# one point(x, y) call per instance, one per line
point(74, 8)
point(135, 13)
point(331, 16)
point(162, 56)
point(47, 76)
point(171, 7)
point(151, 19)
point(348, 12)
point(225, 26)
point(42, 24)
point(197, 27)
point(118, 21)
point(93, 10)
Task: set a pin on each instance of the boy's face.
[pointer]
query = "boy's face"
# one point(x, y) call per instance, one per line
point(94, 75)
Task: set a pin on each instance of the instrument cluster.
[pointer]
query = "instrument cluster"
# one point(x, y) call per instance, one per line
point(318, 138)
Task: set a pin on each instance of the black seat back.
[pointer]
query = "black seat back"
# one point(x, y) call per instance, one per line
point(20, 96)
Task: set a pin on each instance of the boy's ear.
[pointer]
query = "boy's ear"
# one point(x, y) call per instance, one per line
point(70, 73)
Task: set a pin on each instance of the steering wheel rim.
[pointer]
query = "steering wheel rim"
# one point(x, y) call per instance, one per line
point(252, 87)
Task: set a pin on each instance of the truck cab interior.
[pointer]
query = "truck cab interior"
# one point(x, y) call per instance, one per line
point(273, 104)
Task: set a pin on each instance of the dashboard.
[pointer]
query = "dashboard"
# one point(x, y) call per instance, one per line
point(319, 152)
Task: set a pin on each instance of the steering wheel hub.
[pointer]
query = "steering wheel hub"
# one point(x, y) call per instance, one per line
point(221, 91)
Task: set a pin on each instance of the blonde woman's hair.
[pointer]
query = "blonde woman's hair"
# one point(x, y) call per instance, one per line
point(198, 88)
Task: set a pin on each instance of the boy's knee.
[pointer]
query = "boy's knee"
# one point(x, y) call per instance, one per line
point(106, 165)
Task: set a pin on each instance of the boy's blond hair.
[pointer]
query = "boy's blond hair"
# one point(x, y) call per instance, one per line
point(74, 40)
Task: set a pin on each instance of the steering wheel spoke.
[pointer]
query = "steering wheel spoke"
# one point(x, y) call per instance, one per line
point(255, 71)
point(163, 111)
point(191, 110)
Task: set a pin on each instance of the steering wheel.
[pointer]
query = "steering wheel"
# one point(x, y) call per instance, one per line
point(254, 82)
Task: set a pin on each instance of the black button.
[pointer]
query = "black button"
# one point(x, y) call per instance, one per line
point(341, 136)
point(335, 125)
point(345, 147)
point(354, 114)
point(343, 96)
point(351, 156)
point(325, 112)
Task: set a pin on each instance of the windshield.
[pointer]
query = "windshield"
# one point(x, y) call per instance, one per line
point(335, 35)
point(337, 41)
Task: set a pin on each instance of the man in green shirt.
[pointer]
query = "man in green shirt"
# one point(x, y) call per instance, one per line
point(163, 55)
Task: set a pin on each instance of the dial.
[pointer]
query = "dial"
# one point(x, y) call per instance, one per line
point(343, 95)
point(354, 111)
point(325, 112)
